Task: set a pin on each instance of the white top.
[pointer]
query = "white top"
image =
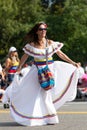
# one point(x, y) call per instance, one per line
point(41, 53)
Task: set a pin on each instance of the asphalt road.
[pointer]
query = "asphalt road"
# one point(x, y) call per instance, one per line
point(72, 116)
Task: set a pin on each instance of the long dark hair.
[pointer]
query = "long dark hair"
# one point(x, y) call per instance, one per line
point(32, 35)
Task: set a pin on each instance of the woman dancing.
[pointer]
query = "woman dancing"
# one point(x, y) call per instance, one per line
point(30, 104)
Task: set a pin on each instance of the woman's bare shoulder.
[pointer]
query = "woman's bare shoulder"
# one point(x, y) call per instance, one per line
point(50, 41)
point(8, 60)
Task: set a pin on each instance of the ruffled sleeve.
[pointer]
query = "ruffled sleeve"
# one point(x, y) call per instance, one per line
point(41, 53)
point(32, 51)
point(57, 46)
point(28, 49)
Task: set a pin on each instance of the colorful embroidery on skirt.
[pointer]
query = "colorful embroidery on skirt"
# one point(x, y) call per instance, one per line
point(24, 116)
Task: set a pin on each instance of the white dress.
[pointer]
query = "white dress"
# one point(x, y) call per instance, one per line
point(30, 105)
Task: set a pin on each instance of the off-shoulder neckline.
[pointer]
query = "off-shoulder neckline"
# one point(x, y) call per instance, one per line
point(38, 48)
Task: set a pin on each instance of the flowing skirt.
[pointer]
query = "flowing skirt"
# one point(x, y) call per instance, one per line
point(30, 105)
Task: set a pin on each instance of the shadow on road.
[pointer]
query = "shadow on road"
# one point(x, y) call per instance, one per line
point(5, 124)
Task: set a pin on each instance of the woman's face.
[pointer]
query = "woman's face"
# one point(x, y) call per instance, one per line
point(42, 31)
point(14, 53)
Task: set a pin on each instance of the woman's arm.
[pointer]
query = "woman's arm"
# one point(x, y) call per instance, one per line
point(66, 58)
point(8, 64)
point(3, 76)
point(22, 61)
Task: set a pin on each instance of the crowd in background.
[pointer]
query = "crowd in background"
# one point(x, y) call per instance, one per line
point(82, 85)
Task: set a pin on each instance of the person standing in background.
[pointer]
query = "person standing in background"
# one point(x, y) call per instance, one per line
point(11, 64)
point(1, 78)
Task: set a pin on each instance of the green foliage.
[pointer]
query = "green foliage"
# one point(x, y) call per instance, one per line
point(76, 22)
point(16, 18)
point(67, 23)
point(70, 27)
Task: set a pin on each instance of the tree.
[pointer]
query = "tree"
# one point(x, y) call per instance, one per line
point(69, 25)
point(66, 19)
point(16, 18)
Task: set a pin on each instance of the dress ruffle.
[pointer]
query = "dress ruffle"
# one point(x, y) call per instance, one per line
point(31, 105)
point(41, 53)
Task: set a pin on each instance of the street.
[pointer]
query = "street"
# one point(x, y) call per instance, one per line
point(72, 116)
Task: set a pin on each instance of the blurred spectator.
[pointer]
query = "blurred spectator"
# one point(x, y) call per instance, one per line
point(11, 64)
point(84, 79)
point(1, 77)
point(82, 86)
point(86, 69)
point(1, 93)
